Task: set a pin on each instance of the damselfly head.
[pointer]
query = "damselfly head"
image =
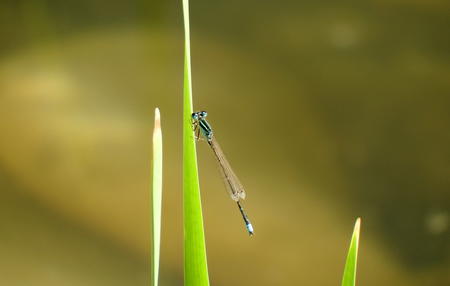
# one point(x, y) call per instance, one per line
point(199, 115)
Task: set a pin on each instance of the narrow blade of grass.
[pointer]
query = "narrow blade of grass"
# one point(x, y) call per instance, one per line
point(195, 265)
point(349, 277)
point(156, 198)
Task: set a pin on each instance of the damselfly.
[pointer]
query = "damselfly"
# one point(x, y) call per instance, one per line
point(232, 183)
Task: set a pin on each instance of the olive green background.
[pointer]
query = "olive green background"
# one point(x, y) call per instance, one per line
point(327, 111)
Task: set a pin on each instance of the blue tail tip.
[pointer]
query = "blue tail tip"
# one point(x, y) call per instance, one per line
point(250, 229)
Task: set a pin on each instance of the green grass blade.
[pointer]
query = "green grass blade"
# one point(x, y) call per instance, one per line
point(156, 198)
point(195, 265)
point(350, 265)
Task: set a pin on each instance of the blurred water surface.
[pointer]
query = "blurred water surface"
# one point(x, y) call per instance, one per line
point(327, 111)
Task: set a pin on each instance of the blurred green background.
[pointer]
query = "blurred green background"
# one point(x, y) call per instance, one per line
point(327, 111)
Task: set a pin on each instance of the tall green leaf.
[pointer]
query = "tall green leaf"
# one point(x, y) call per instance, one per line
point(349, 277)
point(195, 265)
point(156, 198)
